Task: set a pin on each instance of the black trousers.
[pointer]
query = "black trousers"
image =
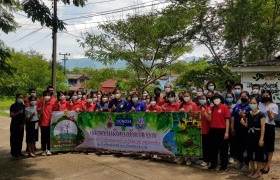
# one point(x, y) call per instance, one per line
point(239, 143)
point(205, 147)
point(45, 138)
point(218, 145)
point(16, 138)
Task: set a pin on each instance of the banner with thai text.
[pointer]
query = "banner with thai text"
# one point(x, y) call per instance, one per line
point(165, 134)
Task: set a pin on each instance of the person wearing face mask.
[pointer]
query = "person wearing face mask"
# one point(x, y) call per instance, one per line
point(229, 87)
point(237, 89)
point(118, 104)
point(256, 92)
point(79, 95)
point(209, 96)
point(167, 89)
point(270, 111)
point(99, 95)
point(31, 119)
point(103, 105)
point(219, 133)
point(67, 95)
point(205, 110)
point(135, 105)
point(211, 86)
point(45, 107)
point(239, 132)
point(171, 105)
point(199, 92)
point(152, 106)
point(160, 100)
point(254, 121)
point(51, 91)
point(75, 104)
point(187, 105)
point(17, 126)
point(61, 104)
point(90, 105)
point(32, 92)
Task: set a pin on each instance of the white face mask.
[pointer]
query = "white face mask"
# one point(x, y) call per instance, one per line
point(89, 100)
point(187, 99)
point(20, 101)
point(217, 101)
point(62, 97)
point(104, 99)
point(167, 90)
point(80, 96)
point(94, 99)
point(255, 91)
point(117, 96)
point(74, 97)
point(145, 94)
point(47, 98)
point(99, 95)
point(33, 94)
point(135, 99)
point(153, 103)
point(171, 99)
point(199, 93)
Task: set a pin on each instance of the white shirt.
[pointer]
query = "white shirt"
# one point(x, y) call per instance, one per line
point(29, 111)
point(272, 107)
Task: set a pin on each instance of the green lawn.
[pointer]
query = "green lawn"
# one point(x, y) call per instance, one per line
point(5, 104)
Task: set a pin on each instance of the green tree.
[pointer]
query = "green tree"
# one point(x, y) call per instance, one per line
point(29, 71)
point(148, 43)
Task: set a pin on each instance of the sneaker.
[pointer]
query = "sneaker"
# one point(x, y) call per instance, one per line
point(44, 153)
point(231, 160)
point(204, 164)
point(188, 162)
point(49, 153)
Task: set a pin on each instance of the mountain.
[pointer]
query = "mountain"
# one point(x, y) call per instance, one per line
point(85, 62)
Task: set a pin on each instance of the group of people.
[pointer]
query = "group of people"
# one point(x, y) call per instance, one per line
point(236, 124)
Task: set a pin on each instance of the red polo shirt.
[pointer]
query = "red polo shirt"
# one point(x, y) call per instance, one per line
point(89, 107)
point(76, 106)
point(47, 112)
point(61, 106)
point(204, 121)
point(190, 106)
point(172, 107)
point(219, 116)
point(155, 108)
point(160, 101)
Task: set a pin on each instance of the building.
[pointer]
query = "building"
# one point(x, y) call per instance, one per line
point(264, 73)
point(109, 85)
point(77, 82)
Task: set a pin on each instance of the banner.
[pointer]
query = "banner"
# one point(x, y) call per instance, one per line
point(165, 134)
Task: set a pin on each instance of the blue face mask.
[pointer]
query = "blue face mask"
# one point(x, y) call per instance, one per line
point(211, 88)
point(202, 101)
point(253, 106)
point(237, 92)
point(229, 100)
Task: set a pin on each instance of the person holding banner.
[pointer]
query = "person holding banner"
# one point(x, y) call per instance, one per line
point(45, 107)
point(153, 107)
point(187, 104)
point(171, 105)
point(219, 133)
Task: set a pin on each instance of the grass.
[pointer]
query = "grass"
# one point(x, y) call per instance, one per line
point(5, 104)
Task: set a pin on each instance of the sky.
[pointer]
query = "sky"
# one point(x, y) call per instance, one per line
point(32, 36)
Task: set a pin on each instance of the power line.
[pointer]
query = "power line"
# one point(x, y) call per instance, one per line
point(27, 35)
point(113, 11)
point(41, 39)
point(100, 2)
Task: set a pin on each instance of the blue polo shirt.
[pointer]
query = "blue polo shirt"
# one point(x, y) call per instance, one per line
point(235, 113)
point(120, 105)
point(139, 106)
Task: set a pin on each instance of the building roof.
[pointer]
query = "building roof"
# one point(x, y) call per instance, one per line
point(76, 76)
point(110, 83)
point(273, 62)
point(77, 87)
point(257, 66)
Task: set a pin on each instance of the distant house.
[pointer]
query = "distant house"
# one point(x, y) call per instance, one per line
point(108, 85)
point(77, 81)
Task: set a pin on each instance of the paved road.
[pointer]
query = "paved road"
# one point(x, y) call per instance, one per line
point(93, 166)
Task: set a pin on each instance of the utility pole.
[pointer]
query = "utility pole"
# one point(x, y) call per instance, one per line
point(64, 60)
point(54, 47)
